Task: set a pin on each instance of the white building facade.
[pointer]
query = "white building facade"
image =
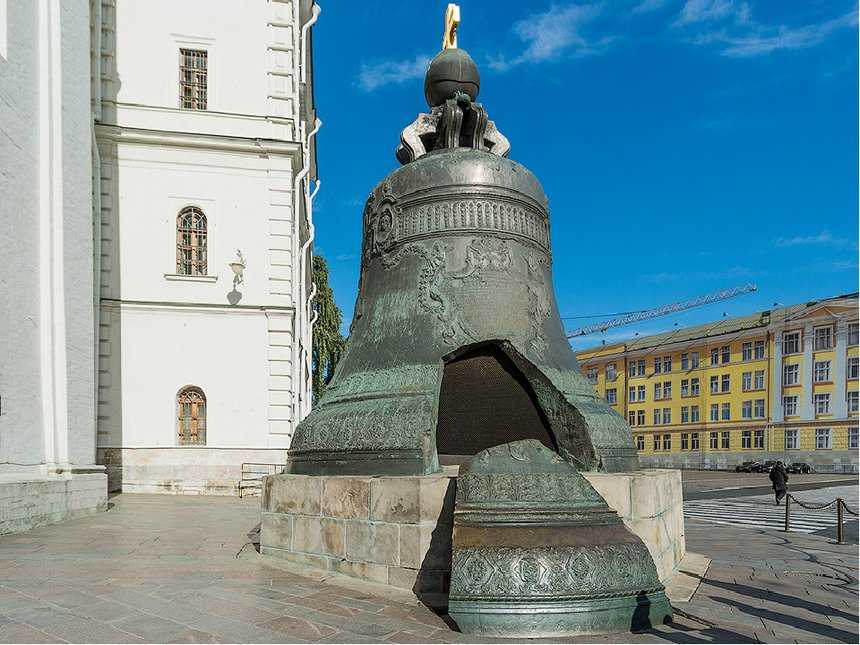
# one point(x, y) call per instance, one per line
point(157, 175)
point(205, 127)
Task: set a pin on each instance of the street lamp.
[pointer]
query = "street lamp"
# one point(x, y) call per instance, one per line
point(238, 267)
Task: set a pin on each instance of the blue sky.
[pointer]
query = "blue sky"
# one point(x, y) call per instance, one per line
point(685, 145)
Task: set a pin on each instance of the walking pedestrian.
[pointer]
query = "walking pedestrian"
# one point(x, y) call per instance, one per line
point(779, 477)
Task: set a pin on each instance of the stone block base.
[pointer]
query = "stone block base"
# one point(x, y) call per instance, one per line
point(651, 503)
point(397, 530)
point(186, 470)
point(30, 501)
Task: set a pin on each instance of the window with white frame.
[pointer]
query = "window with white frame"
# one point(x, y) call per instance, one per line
point(685, 414)
point(852, 437)
point(640, 367)
point(792, 440)
point(746, 381)
point(747, 351)
point(714, 440)
point(853, 333)
point(758, 350)
point(685, 387)
point(694, 414)
point(791, 374)
point(758, 439)
point(715, 385)
point(694, 441)
point(685, 441)
point(694, 387)
point(746, 410)
point(853, 400)
point(789, 405)
point(685, 361)
point(822, 372)
point(631, 418)
point(725, 353)
point(631, 369)
point(758, 408)
point(725, 440)
point(658, 391)
point(715, 411)
point(612, 396)
point(726, 412)
point(591, 375)
point(656, 442)
point(656, 416)
point(640, 442)
point(758, 380)
point(667, 389)
point(667, 364)
point(726, 385)
point(715, 356)
point(667, 416)
point(822, 338)
point(853, 367)
point(791, 342)
point(193, 78)
point(694, 360)
point(823, 439)
point(822, 403)
point(631, 393)
point(611, 372)
point(658, 365)
point(640, 417)
point(667, 442)
point(746, 439)
point(640, 390)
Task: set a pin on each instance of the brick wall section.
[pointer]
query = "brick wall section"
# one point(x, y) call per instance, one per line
point(391, 530)
point(28, 503)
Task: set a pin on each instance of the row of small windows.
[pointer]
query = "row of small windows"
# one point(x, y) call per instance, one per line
point(751, 409)
point(750, 351)
point(822, 339)
point(750, 439)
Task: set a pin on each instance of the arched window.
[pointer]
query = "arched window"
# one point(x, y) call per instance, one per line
point(191, 242)
point(191, 416)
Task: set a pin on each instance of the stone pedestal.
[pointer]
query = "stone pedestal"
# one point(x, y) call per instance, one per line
point(397, 530)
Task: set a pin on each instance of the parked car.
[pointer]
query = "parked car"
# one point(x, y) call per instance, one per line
point(799, 468)
point(747, 467)
point(766, 467)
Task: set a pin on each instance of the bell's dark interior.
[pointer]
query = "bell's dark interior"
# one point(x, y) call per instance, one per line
point(486, 401)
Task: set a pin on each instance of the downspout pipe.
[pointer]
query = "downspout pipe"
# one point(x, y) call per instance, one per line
point(316, 10)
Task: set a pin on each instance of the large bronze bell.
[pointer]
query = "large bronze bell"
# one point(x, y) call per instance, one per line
point(456, 344)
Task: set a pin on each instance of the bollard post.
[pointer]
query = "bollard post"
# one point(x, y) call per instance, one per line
point(838, 520)
point(787, 511)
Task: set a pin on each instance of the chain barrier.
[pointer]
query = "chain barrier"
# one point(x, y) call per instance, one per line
point(840, 507)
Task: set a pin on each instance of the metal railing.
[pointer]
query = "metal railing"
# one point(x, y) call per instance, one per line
point(251, 482)
point(840, 507)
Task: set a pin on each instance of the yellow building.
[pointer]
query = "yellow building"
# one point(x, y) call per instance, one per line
point(779, 384)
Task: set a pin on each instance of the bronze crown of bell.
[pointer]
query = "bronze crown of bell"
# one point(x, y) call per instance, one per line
point(456, 344)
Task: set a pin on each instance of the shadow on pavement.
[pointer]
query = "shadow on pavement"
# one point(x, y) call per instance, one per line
point(792, 621)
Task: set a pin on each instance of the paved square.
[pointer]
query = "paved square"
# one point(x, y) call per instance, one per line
point(183, 570)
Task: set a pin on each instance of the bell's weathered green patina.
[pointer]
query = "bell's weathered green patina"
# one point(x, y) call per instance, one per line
point(537, 552)
point(456, 343)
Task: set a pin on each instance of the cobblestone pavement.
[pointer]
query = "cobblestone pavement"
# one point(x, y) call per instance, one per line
point(181, 570)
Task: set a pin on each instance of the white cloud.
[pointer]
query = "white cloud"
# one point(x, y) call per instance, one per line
point(824, 238)
point(549, 34)
point(770, 39)
point(729, 24)
point(647, 6)
point(372, 76)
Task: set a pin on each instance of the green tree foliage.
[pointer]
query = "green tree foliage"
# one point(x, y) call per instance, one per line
point(328, 343)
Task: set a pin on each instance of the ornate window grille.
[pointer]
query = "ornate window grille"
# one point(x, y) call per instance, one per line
point(193, 69)
point(191, 242)
point(191, 416)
